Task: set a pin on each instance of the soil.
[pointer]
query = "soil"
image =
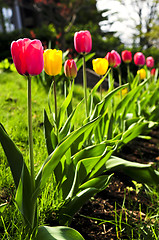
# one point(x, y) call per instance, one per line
point(95, 220)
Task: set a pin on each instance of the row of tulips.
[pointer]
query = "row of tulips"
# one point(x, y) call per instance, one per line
point(76, 157)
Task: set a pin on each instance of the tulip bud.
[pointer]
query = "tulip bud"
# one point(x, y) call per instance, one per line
point(27, 56)
point(139, 59)
point(100, 65)
point(83, 42)
point(150, 62)
point(126, 56)
point(153, 71)
point(142, 73)
point(70, 69)
point(52, 61)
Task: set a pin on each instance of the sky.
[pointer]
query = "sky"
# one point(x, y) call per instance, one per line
point(123, 21)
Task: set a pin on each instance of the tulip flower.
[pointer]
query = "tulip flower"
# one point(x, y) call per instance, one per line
point(153, 71)
point(83, 45)
point(70, 69)
point(100, 65)
point(117, 58)
point(126, 56)
point(53, 66)
point(150, 62)
point(139, 59)
point(52, 61)
point(111, 59)
point(27, 56)
point(83, 42)
point(142, 73)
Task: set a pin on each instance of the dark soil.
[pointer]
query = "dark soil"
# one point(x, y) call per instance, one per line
point(96, 220)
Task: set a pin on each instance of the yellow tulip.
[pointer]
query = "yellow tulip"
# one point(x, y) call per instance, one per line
point(142, 73)
point(100, 65)
point(52, 61)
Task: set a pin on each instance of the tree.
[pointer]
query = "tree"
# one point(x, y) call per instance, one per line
point(144, 14)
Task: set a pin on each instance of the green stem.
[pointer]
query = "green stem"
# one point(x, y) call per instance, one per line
point(101, 89)
point(120, 82)
point(128, 76)
point(85, 84)
point(55, 102)
point(30, 134)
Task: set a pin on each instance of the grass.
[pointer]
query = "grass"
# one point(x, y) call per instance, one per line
point(13, 115)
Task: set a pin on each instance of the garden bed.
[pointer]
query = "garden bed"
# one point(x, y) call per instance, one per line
point(121, 208)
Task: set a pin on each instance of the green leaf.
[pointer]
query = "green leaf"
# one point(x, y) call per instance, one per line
point(101, 107)
point(100, 182)
point(69, 122)
point(58, 233)
point(14, 156)
point(47, 131)
point(24, 200)
point(134, 131)
point(68, 210)
point(63, 108)
point(128, 102)
point(2, 207)
point(80, 61)
point(143, 173)
point(54, 158)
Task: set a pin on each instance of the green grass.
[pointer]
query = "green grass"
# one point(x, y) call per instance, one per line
point(13, 115)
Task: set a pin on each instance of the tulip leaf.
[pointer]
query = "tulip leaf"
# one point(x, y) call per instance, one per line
point(54, 158)
point(143, 173)
point(86, 191)
point(69, 122)
point(63, 108)
point(58, 233)
point(2, 207)
point(128, 101)
point(14, 156)
point(101, 107)
point(79, 63)
point(47, 131)
point(24, 199)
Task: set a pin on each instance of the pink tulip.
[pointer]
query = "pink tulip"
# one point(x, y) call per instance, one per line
point(27, 56)
point(70, 68)
point(139, 59)
point(150, 62)
point(153, 71)
point(126, 56)
point(83, 41)
point(117, 58)
point(113, 58)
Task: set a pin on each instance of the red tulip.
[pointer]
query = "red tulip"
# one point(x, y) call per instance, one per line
point(150, 62)
point(70, 68)
point(113, 58)
point(27, 56)
point(139, 59)
point(153, 70)
point(126, 56)
point(83, 41)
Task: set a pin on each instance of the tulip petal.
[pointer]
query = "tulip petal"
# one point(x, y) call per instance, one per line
point(18, 54)
point(34, 58)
